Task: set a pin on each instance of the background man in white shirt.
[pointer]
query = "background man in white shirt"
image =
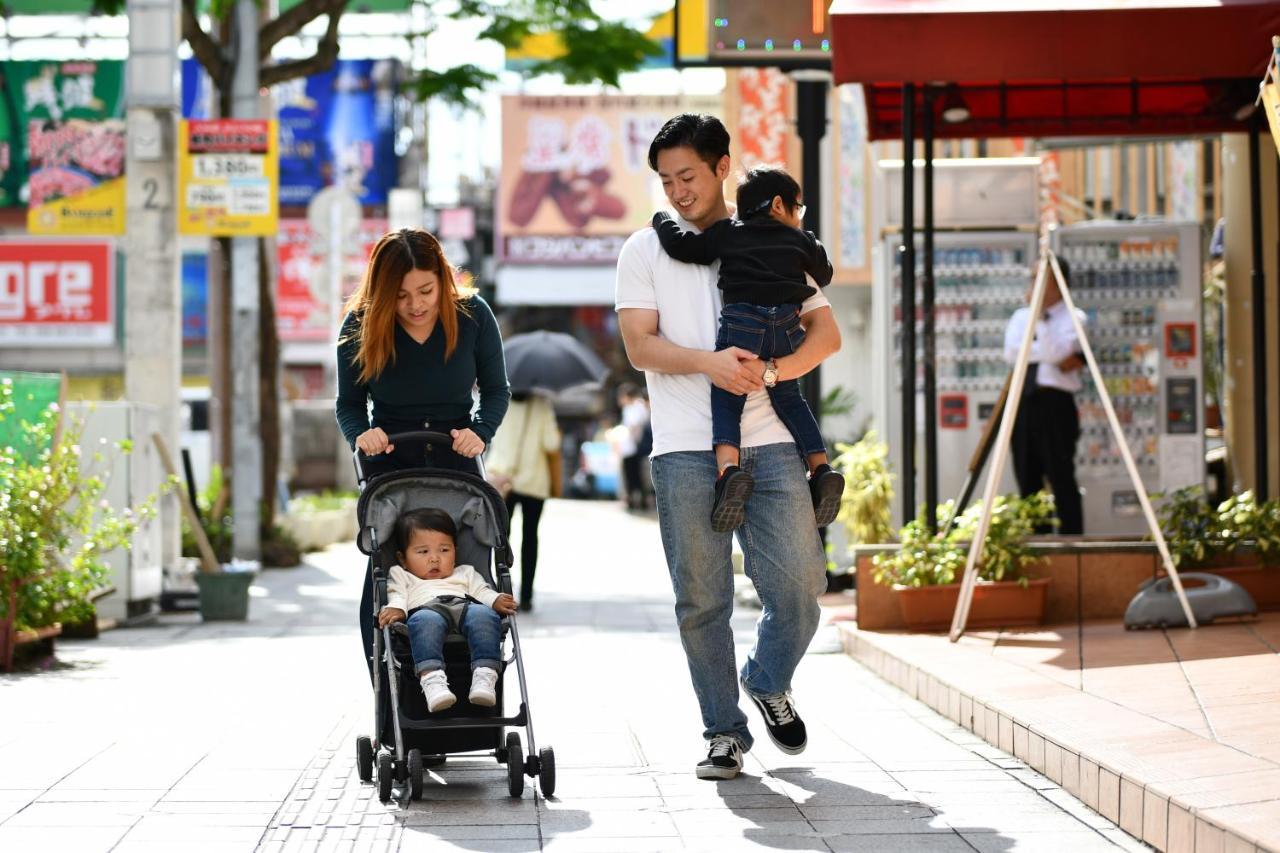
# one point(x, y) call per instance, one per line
point(668, 312)
point(1048, 425)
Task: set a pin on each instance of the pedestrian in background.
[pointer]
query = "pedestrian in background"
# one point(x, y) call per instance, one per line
point(525, 467)
point(635, 420)
point(1048, 424)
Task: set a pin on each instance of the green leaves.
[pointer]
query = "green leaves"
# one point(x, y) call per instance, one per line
point(929, 560)
point(55, 528)
point(868, 490)
point(593, 49)
point(1196, 533)
point(454, 86)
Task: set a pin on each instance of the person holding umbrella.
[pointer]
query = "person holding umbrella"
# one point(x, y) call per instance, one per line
point(525, 465)
point(415, 344)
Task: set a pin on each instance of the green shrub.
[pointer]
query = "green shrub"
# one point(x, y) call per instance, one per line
point(930, 560)
point(55, 528)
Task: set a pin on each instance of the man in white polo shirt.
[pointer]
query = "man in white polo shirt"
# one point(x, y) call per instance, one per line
point(668, 312)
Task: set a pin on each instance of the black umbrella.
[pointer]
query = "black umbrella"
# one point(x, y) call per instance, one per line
point(550, 362)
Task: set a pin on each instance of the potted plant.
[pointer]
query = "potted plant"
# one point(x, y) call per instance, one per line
point(55, 529)
point(867, 502)
point(1239, 540)
point(925, 572)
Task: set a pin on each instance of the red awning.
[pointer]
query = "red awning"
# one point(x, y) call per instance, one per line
point(1038, 68)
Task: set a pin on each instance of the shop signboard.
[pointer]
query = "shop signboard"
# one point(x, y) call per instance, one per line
point(575, 179)
point(337, 126)
point(303, 288)
point(62, 136)
point(227, 177)
point(57, 293)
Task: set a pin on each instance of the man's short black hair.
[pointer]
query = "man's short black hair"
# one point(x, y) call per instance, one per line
point(423, 519)
point(758, 189)
point(1066, 270)
point(705, 134)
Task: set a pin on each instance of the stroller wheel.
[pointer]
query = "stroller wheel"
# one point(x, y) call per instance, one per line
point(364, 758)
point(415, 774)
point(547, 771)
point(386, 769)
point(515, 765)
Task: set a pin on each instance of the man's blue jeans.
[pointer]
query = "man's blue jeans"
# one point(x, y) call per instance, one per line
point(784, 559)
point(482, 626)
point(769, 332)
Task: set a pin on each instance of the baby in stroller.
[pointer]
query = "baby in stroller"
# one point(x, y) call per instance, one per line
point(432, 594)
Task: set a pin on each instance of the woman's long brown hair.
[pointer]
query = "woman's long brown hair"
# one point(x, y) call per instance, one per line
point(374, 302)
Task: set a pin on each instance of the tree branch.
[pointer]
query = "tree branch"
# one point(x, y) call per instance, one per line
point(292, 21)
point(326, 52)
point(206, 50)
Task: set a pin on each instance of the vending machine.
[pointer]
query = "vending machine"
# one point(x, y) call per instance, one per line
point(1139, 283)
point(980, 279)
point(985, 255)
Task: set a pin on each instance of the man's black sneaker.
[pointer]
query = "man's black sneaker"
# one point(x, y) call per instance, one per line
point(732, 490)
point(786, 729)
point(724, 759)
point(826, 487)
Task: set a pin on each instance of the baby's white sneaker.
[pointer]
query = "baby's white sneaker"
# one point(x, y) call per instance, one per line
point(484, 681)
point(435, 684)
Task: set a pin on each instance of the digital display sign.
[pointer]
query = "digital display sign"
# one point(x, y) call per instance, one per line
point(791, 34)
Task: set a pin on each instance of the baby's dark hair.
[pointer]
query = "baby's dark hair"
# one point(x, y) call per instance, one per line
point(423, 519)
point(758, 188)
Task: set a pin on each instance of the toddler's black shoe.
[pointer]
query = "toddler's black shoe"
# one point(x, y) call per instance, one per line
point(826, 487)
point(732, 490)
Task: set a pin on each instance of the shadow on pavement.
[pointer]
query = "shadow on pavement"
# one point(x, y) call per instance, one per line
point(839, 815)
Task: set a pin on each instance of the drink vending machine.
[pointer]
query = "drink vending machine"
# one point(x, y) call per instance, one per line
point(1139, 283)
point(985, 252)
point(980, 279)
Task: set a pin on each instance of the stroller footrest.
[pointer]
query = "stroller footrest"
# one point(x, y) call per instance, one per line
point(520, 719)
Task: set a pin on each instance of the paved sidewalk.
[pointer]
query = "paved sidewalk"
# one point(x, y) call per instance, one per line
point(240, 737)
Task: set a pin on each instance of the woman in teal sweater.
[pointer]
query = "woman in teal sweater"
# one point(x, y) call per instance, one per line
point(414, 344)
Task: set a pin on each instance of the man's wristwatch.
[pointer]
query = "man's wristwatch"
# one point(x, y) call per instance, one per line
point(770, 373)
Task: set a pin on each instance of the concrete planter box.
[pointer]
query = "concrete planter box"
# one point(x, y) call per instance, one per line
point(320, 529)
point(1006, 604)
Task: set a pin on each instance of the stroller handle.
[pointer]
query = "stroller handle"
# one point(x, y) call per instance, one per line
point(420, 436)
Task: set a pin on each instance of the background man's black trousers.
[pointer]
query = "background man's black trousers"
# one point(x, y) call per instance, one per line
point(1044, 448)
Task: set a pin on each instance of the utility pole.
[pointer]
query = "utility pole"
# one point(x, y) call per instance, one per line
point(812, 91)
point(153, 310)
point(246, 442)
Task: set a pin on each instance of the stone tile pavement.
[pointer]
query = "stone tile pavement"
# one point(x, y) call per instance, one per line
point(192, 737)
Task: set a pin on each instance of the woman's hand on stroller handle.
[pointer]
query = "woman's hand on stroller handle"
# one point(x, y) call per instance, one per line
point(466, 443)
point(505, 604)
point(374, 441)
point(388, 615)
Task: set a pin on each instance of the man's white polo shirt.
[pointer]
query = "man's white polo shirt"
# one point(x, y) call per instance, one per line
point(688, 305)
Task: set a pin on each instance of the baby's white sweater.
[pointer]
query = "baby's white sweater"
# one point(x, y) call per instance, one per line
point(405, 591)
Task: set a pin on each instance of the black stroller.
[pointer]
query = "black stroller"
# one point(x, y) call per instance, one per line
point(407, 737)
